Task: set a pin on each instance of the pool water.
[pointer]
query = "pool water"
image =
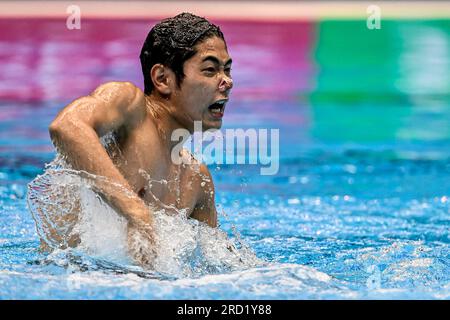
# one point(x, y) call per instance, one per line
point(360, 207)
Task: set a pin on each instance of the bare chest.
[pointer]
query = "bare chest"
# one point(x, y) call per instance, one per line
point(150, 172)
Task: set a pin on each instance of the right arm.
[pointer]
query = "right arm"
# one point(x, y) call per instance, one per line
point(75, 133)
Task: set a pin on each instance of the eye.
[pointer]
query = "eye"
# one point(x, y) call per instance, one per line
point(228, 70)
point(209, 70)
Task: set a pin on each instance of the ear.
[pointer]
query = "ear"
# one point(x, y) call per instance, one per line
point(162, 78)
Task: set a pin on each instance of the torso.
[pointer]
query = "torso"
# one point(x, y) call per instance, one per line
point(140, 157)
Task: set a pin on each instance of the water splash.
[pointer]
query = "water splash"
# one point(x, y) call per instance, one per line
point(404, 264)
point(69, 213)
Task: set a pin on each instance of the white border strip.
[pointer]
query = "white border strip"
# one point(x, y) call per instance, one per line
point(232, 10)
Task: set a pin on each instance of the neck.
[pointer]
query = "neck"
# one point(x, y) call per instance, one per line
point(166, 124)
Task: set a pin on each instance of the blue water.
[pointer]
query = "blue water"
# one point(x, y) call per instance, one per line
point(373, 221)
point(360, 208)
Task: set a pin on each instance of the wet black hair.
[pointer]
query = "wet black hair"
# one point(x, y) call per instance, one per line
point(171, 42)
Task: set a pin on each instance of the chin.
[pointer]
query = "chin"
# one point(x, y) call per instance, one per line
point(216, 124)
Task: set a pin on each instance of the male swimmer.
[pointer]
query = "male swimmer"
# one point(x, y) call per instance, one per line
point(187, 78)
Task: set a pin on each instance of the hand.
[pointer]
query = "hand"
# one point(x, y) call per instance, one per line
point(141, 241)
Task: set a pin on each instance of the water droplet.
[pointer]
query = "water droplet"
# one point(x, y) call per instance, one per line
point(18, 191)
point(350, 168)
point(292, 179)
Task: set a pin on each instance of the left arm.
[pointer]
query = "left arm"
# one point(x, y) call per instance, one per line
point(205, 208)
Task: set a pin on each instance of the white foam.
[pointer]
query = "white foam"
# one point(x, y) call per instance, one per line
point(185, 247)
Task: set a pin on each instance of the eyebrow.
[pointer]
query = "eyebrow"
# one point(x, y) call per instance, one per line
point(214, 60)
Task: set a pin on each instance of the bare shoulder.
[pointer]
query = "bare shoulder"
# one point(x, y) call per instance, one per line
point(117, 104)
point(119, 93)
point(205, 175)
point(206, 185)
point(108, 107)
point(108, 96)
point(199, 173)
point(205, 209)
point(196, 167)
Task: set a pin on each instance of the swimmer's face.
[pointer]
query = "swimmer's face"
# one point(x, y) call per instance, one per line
point(206, 87)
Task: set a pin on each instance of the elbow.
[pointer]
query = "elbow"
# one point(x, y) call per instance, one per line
point(60, 131)
point(64, 132)
point(55, 129)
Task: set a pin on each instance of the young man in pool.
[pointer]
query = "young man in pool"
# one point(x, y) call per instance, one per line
point(187, 78)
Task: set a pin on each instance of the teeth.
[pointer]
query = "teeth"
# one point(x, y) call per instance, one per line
point(218, 106)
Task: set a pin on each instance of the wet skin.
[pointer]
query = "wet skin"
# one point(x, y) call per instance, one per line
point(138, 165)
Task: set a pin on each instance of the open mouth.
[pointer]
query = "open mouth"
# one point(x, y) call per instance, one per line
point(217, 108)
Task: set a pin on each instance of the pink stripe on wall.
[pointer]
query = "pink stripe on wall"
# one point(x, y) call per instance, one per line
point(41, 60)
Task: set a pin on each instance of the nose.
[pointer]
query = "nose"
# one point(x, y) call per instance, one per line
point(226, 83)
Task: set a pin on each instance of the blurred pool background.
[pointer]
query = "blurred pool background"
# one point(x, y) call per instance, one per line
point(363, 189)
